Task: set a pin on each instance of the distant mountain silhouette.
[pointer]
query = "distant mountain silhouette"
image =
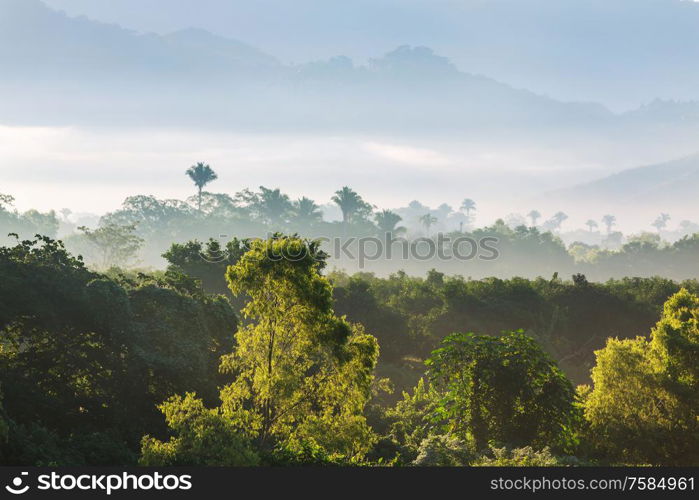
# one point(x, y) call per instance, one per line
point(621, 53)
point(663, 183)
point(196, 42)
point(36, 40)
point(88, 71)
point(666, 111)
point(65, 70)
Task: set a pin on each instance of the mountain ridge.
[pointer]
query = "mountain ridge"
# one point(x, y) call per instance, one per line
point(87, 69)
point(112, 68)
point(621, 53)
point(657, 183)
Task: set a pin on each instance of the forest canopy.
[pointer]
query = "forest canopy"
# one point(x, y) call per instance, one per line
point(295, 365)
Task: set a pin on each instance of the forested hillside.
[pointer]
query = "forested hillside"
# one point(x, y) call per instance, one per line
point(298, 365)
point(352, 234)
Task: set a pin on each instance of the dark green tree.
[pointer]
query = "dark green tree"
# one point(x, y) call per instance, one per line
point(500, 390)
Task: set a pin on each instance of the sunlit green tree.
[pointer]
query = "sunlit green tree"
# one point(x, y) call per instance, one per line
point(643, 408)
point(302, 373)
point(203, 437)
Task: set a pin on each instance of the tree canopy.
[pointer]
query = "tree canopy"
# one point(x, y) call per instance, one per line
point(500, 390)
point(643, 405)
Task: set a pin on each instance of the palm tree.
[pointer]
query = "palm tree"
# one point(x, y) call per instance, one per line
point(661, 222)
point(467, 205)
point(609, 221)
point(534, 215)
point(307, 211)
point(591, 224)
point(201, 174)
point(554, 223)
point(428, 220)
point(273, 205)
point(387, 222)
point(350, 203)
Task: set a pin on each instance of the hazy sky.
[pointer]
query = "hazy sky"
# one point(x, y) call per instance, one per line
point(619, 52)
point(92, 169)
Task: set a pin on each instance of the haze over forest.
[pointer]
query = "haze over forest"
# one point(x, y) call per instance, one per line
point(518, 105)
point(358, 233)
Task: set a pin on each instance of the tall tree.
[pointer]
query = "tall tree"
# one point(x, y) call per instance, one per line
point(556, 221)
point(307, 211)
point(661, 222)
point(467, 206)
point(387, 222)
point(428, 220)
point(591, 224)
point(609, 221)
point(560, 218)
point(351, 204)
point(201, 174)
point(302, 373)
point(118, 245)
point(273, 205)
point(534, 215)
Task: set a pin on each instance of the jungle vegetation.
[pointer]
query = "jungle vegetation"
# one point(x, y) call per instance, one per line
point(269, 358)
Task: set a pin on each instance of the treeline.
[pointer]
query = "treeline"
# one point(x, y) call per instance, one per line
point(27, 223)
point(136, 236)
point(86, 358)
point(327, 368)
point(409, 315)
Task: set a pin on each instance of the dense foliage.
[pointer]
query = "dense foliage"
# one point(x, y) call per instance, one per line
point(302, 376)
point(643, 407)
point(145, 227)
point(500, 389)
point(90, 363)
point(86, 358)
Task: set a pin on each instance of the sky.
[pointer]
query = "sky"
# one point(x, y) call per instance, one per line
point(621, 53)
point(92, 169)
